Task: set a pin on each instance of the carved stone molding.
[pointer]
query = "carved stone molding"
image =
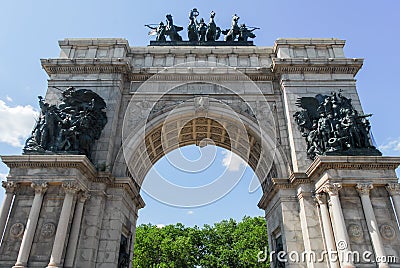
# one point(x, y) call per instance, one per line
point(70, 187)
point(387, 231)
point(85, 66)
point(199, 77)
point(332, 188)
point(80, 162)
point(320, 199)
point(48, 230)
point(201, 104)
point(393, 188)
point(17, 230)
point(364, 188)
point(336, 66)
point(355, 232)
point(39, 187)
point(83, 196)
point(9, 186)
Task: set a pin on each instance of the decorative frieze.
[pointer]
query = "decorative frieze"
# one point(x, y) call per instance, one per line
point(355, 232)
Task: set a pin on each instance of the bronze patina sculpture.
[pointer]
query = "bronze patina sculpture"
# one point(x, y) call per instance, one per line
point(233, 32)
point(193, 34)
point(200, 33)
point(331, 126)
point(172, 30)
point(70, 127)
point(213, 32)
point(202, 29)
point(245, 33)
point(160, 31)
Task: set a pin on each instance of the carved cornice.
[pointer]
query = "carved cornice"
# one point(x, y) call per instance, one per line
point(40, 187)
point(323, 163)
point(273, 187)
point(393, 188)
point(9, 186)
point(79, 162)
point(128, 185)
point(364, 188)
point(332, 188)
point(297, 178)
point(103, 177)
point(316, 66)
point(85, 66)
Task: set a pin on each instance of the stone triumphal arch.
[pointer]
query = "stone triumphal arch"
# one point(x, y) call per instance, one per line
point(291, 111)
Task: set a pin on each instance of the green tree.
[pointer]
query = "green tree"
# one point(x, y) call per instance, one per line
point(225, 244)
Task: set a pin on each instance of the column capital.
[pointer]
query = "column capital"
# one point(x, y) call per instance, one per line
point(393, 188)
point(320, 199)
point(332, 188)
point(40, 187)
point(9, 186)
point(364, 188)
point(70, 187)
point(83, 196)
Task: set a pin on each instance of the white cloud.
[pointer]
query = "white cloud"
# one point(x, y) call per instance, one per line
point(9, 99)
point(190, 212)
point(3, 176)
point(16, 123)
point(391, 145)
point(232, 161)
point(160, 225)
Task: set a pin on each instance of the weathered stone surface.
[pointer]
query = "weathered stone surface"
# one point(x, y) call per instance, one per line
point(168, 86)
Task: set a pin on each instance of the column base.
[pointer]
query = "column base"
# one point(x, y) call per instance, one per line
point(19, 266)
point(53, 265)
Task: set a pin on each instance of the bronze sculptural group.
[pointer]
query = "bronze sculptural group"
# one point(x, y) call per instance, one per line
point(70, 127)
point(200, 32)
point(331, 126)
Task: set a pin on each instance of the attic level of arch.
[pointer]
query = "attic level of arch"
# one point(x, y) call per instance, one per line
point(115, 56)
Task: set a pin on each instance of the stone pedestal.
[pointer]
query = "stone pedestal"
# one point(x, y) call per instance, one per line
point(362, 222)
point(50, 225)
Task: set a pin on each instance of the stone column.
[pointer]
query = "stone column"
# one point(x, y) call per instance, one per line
point(5, 207)
point(27, 239)
point(340, 231)
point(394, 191)
point(59, 241)
point(74, 235)
point(327, 228)
point(363, 190)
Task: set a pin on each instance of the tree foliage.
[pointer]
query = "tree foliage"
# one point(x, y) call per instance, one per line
point(225, 244)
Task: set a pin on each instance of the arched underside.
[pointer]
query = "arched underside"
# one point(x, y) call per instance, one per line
point(146, 145)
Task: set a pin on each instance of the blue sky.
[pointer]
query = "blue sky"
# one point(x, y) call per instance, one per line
point(30, 30)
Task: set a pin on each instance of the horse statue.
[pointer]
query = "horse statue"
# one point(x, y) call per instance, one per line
point(172, 30)
point(234, 31)
point(213, 32)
